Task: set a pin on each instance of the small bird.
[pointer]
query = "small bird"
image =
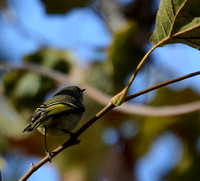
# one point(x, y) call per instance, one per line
point(60, 114)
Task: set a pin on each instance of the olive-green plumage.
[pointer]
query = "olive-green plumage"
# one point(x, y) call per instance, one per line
point(60, 114)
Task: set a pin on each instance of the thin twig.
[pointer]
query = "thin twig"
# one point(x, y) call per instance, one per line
point(68, 143)
point(33, 167)
point(59, 77)
point(162, 85)
point(106, 109)
point(119, 98)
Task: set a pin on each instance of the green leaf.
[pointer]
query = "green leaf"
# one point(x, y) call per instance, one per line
point(178, 21)
point(52, 58)
point(124, 54)
point(29, 84)
point(23, 87)
point(63, 6)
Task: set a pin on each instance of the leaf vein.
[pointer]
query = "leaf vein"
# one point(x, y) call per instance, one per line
point(168, 13)
point(163, 27)
point(173, 9)
point(176, 14)
point(187, 30)
point(194, 43)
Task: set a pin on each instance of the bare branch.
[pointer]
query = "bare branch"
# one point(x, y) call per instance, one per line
point(162, 85)
point(180, 110)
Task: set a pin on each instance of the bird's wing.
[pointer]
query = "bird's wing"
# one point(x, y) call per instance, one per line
point(37, 117)
point(51, 109)
point(59, 108)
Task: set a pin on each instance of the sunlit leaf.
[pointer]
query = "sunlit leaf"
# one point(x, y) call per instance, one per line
point(179, 22)
point(26, 90)
point(29, 84)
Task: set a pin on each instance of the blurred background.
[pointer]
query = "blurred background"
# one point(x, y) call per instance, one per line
point(95, 44)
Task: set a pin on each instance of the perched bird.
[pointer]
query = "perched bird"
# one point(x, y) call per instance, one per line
point(60, 114)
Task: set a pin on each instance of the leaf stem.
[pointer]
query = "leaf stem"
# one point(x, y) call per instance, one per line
point(119, 98)
point(144, 59)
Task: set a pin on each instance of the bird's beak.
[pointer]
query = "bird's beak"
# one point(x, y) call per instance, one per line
point(83, 90)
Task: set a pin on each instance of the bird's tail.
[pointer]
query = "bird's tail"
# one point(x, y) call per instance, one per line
point(37, 118)
point(32, 126)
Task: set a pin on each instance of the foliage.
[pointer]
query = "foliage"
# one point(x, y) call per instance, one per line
point(179, 20)
point(62, 6)
point(124, 46)
point(24, 87)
